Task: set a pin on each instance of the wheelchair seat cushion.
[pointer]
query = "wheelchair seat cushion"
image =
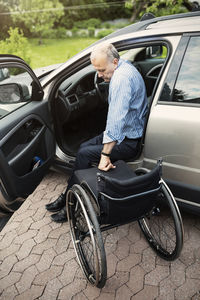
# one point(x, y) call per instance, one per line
point(130, 184)
point(89, 176)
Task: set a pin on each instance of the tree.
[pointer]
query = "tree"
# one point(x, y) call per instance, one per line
point(5, 20)
point(16, 44)
point(39, 17)
point(158, 7)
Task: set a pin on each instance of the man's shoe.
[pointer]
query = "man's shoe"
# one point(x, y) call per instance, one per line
point(57, 205)
point(60, 217)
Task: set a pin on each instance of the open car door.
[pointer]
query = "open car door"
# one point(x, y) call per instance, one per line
point(27, 143)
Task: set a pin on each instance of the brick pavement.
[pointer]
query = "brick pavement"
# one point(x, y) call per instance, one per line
point(37, 260)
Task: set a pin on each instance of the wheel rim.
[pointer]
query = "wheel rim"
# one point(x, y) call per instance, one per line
point(163, 229)
point(84, 240)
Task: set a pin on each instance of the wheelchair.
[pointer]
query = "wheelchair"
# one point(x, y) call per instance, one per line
point(99, 201)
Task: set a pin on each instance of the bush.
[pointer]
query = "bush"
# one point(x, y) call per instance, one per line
point(93, 22)
point(74, 31)
point(91, 31)
point(102, 33)
point(80, 24)
point(16, 44)
point(106, 25)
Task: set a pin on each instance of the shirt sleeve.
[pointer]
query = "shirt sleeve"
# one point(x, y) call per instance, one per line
point(121, 94)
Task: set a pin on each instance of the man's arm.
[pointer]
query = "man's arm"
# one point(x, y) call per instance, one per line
point(105, 163)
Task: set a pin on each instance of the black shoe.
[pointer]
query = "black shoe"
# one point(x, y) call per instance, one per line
point(60, 217)
point(57, 205)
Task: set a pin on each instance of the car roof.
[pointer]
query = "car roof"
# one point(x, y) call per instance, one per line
point(159, 22)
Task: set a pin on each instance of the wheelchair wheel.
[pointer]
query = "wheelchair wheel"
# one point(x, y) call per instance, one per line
point(86, 236)
point(163, 227)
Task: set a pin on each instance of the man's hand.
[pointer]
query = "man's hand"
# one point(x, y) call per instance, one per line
point(105, 163)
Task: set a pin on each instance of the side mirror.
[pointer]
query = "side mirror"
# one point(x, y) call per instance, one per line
point(13, 93)
point(154, 51)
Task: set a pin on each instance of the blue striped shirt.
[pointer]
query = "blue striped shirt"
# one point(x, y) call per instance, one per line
point(127, 104)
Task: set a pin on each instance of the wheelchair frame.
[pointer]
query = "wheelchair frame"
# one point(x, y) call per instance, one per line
point(84, 217)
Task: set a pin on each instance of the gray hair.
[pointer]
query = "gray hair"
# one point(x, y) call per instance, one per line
point(105, 48)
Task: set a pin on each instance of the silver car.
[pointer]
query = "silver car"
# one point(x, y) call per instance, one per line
point(44, 118)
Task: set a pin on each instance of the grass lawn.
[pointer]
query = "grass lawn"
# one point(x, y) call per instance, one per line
point(54, 51)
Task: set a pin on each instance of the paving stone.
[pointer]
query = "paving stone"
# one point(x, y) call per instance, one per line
point(148, 262)
point(42, 234)
point(177, 275)
point(111, 264)
point(122, 249)
point(134, 234)
point(106, 296)
point(127, 263)
point(52, 290)
point(41, 247)
point(20, 239)
point(24, 226)
point(187, 290)
point(193, 271)
point(7, 265)
point(62, 258)
point(25, 249)
point(39, 194)
point(23, 264)
point(39, 214)
point(148, 293)
point(123, 293)
point(68, 272)
point(8, 239)
point(90, 292)
point(9, 280)
point(26, 279)
point(31, 294)
point(196, 296)
point(79, 296)
point(117, 280)
point(46, 276)
point(136, 280)
point(139, 246)
point(13, 248)
point(46, 260)
point(62, 243)
point(56, 233)
point(72, 289)
point(109, 247)
point(9, 293)
point(10, 226)
point(166, 291)
point(24, 215)
point(155, 276)
point(41, 223)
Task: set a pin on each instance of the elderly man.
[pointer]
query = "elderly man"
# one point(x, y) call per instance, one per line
point(125, 119)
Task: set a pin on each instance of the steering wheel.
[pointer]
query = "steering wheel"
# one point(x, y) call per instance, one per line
point(101, 88)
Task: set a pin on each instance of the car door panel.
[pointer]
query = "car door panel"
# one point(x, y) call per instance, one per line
point(174, 124)
point(25, 139)
point(27, 145)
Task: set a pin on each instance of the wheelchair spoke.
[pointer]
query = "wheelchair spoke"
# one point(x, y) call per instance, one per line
point(162, 226)
point(86, 237)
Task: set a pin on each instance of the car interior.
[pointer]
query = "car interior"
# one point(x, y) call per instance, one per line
point(80, 108)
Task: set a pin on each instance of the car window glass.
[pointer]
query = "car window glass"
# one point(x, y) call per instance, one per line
point(15, 89)
point(186, 88)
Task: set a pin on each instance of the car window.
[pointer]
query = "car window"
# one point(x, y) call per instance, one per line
point(15, 89)
point(187, 87)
